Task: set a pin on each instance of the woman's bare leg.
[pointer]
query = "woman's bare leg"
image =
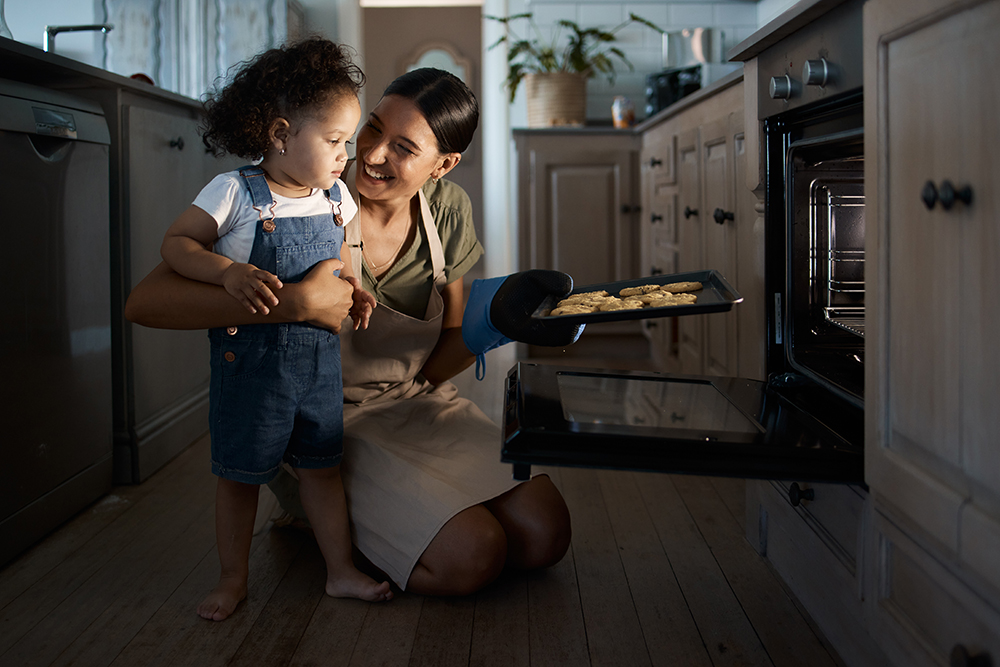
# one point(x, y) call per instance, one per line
point(322, 493)
point(527, 527)
point(536, 522)
point(235, 510)
point(467, 553)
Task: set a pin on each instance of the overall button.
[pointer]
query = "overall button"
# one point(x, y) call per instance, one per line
point(268, 226)
point(231, 330)
point(230, 356)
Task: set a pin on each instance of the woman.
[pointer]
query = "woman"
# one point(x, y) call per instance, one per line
point(430, 503)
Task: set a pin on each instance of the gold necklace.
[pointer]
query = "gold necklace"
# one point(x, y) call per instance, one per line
point(376, 268)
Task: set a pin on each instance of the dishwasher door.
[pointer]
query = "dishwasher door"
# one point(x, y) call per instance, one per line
point(55, 323)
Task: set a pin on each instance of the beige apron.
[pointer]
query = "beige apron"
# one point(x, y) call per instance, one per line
point(414, 454)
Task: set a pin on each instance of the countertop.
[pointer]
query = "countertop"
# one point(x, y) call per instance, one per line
point(798, 15)
point(28, 64)
point(688, 101)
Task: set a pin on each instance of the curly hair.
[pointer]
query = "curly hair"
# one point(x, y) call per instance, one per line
point(284, 82)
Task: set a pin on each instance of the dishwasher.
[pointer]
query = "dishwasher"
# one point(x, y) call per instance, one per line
point(55, 322)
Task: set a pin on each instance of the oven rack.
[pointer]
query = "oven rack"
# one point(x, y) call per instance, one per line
point(848, 318)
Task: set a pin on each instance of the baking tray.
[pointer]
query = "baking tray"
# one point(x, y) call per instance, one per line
point(716, 296)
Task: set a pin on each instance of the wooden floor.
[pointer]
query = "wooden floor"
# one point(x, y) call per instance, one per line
point(658, 573)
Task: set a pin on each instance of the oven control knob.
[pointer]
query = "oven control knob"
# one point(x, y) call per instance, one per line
point(817, 72)
point(781, 87)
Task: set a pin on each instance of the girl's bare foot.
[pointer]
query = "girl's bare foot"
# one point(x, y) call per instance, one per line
point(223, 599)
point(352, 583)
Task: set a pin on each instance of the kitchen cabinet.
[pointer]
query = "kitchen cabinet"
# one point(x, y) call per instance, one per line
point(933, 377)
point(162, 393)
point(698, 214)
point(578, 202)
point(579, 207)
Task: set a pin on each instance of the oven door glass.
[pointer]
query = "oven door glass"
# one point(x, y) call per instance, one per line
point(668, 423)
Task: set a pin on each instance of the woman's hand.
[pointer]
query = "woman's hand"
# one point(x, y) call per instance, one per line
point(322, 298)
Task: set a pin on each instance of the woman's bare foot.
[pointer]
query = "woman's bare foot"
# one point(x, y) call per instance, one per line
point(353, 583)
point(223, 599)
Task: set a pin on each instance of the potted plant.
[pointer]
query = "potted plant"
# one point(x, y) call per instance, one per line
point(555, 70)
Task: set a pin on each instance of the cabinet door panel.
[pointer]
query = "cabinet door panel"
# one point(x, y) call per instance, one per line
point(719, 241)
point(155, 166)
point(689, 328)
point(976, 118)
point(584, 221)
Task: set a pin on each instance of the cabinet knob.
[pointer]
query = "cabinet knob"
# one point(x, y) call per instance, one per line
point(655, 162)
point(797, 494)
point(627, 208)
point(781, 87)
point(688, 211)
point(947, 194)
point(177, 143)
point(653, 271)
point(721, 216)
point(816, 72)
point(655, 218)
point(960, 657)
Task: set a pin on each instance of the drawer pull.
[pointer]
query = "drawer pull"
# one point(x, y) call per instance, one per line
point(960, 658)
point(655, 162)
point(796, 494)
point(721, 216)
point(947, 194)
point(177, 143)
point(688, 211)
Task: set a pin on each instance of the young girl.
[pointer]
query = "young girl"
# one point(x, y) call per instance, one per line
point(276, 391)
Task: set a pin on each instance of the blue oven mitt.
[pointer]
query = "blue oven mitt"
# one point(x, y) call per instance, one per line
point(499, 312)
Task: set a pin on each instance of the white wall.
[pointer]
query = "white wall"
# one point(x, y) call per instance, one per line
point(27, 20)
point(769, 9)
point(642, 46)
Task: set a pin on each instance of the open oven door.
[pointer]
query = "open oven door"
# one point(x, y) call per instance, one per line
point(650, 421)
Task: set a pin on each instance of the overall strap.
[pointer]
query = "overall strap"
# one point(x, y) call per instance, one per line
point(334, 197)
point(260, 193)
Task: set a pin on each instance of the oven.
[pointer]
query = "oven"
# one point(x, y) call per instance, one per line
point(806, 422)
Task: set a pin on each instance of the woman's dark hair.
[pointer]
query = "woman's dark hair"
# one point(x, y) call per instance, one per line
point(279, 83)
point(445, 101)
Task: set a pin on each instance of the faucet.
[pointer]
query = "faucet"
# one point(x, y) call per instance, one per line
point(49, 40)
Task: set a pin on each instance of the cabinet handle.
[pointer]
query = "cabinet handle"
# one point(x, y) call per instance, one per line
point(960, 658)
point(177, 143)
point(626, 208)
point(653, 271)
point(721, 216)
point(655, 162)
point(688, 211)
point(947, 195)
point(797, 494)
point(655, 218)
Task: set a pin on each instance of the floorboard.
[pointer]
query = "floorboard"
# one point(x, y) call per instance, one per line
point(658, 573)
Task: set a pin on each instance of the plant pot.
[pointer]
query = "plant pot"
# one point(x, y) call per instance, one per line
point(556, 99)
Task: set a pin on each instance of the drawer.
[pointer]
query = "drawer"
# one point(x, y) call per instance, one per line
point(833, 514)
point(923, 606)
point(659, 155)
point(818, 548)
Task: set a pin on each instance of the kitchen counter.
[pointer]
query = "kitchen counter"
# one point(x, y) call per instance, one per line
point(28, 64)
point(801, 14)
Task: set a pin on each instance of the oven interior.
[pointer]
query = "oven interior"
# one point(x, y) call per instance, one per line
point(815, 216)
point(826, 280)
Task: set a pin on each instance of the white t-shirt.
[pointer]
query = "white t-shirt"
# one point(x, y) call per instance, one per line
point(227, 199)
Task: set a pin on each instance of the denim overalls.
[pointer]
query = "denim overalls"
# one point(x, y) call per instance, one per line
point(276, 391)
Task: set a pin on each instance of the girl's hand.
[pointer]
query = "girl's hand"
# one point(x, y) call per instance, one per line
point(364, 304)
point(250, 286)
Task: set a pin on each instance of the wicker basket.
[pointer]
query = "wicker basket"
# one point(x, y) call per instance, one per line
point(556, 99)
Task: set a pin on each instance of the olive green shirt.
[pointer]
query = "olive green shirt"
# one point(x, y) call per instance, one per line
point(407, 286)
